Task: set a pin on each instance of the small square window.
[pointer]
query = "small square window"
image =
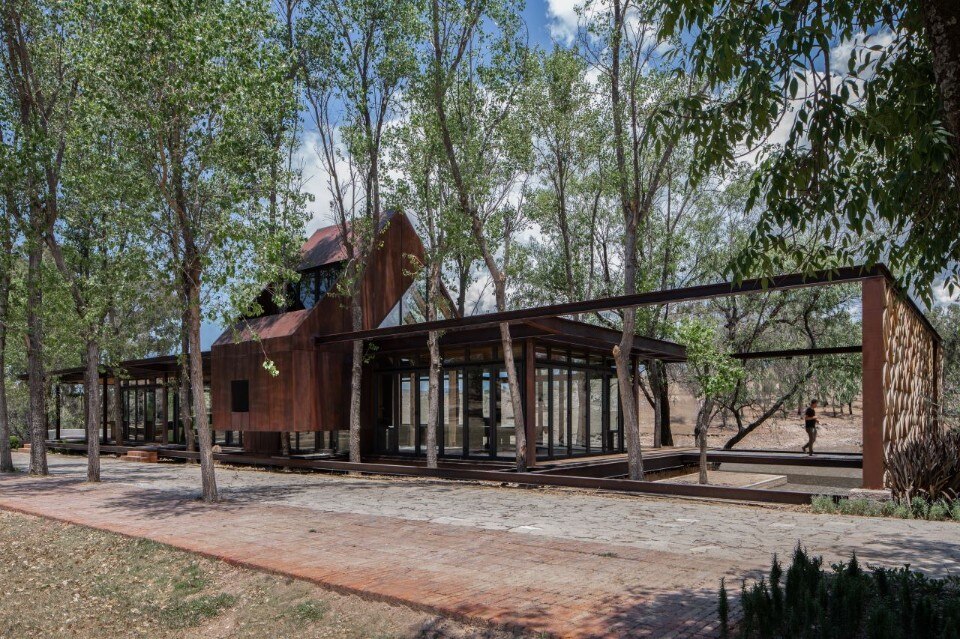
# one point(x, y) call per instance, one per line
point(240, 396)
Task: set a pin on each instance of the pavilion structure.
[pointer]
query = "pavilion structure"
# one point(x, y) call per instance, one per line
point(569, 385)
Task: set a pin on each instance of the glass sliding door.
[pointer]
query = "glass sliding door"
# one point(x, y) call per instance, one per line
point(615, 432)
point(423, 413)
point(579, 411)
point(595, 424)
point(542, 412)
point(478, 402)
point(407, 419)
point(452, 441)
point(506, 441)
point(559, 411)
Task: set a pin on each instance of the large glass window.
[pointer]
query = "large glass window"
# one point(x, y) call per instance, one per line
point(452, 406)
point(579, 410)
point(542, 410)
point(423, 412)
point(559, 389)
point(575, 406)
point(596, 425)
point(406, 434)
point(506, 423)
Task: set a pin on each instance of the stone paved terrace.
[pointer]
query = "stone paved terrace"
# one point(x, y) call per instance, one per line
point(563, 563)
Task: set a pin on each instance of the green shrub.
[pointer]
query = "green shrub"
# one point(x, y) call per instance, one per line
point(823, 504)
point(848, 602)
point(939, 511)
point(723, 611)
point(15, 442)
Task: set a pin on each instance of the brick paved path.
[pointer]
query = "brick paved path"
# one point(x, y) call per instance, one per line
point(569, 564)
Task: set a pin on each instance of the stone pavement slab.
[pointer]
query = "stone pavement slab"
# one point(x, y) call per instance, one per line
point(565, 563)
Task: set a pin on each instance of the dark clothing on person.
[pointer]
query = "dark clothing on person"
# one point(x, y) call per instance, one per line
point(810, 424)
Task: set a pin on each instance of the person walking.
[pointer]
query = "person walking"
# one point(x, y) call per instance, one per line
point(810, 422)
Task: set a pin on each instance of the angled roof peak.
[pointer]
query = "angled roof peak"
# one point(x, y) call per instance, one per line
point(326, 245)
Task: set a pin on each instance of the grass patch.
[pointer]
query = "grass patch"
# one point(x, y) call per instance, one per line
point(191, 581)
point(310, 610)
point(188, 613)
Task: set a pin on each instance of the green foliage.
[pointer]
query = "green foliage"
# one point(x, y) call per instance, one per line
point(711, 372)
point(848, 602)
point(15, 442)
point(866, 154)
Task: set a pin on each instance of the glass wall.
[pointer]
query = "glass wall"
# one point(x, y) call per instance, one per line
point(576, 405)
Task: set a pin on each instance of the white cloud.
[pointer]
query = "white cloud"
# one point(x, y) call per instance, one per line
point(562, 19)
point(942, 296)
point(315, 180)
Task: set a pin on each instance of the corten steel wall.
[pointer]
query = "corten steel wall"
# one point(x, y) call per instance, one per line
point(311, 391)
point(901, 374)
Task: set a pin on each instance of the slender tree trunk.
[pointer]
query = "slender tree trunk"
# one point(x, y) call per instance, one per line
point(6, 459)
point(91, 382)
point(356, 377)
point(6, 263)
point(703, 422)
point(433, 397)
point(186, 411)
point(519, 425)
point(36, 379)
point(204, 434)
point(622, 353)
point(660, 390)
point(117, 408)
point(436, 368)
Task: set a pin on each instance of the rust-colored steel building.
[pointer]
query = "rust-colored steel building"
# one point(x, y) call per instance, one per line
point(570, 392)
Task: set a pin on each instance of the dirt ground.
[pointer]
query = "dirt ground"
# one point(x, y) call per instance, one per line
point(59, 580)
point(840, 433)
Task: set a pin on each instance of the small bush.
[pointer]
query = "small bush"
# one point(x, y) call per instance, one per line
point(15, 442)
point(926, 464)
point(848, 602)
point(723, 610)
point(823, 504)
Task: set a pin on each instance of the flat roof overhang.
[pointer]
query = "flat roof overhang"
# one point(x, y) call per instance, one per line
point(844, 275)
point(144, 368)
point(553, 331)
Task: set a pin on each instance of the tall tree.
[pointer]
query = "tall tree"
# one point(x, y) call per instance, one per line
point(100, 248)
point(7, 257)
point(619, 40)
point(358, 56)
point(478, 66)
point(192, 84)
point(39, 85)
